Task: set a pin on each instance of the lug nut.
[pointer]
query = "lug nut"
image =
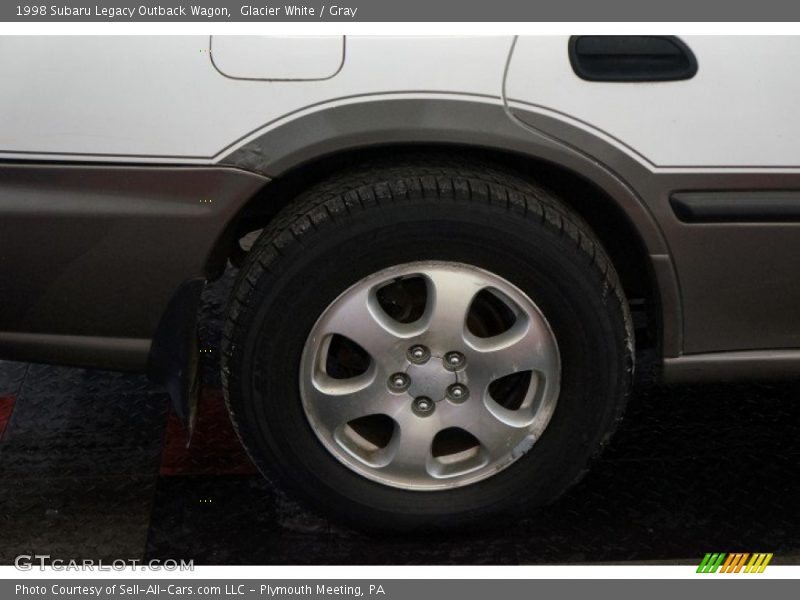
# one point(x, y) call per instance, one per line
point(418, 354)
point(454, 361)
point(399, 382)
point(423, 406)
point(458, 392)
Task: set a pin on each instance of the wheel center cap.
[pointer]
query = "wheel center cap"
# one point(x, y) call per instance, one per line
point(430, 380)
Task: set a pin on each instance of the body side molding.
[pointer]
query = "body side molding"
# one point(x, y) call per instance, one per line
point(733, 366)
point(737, 207)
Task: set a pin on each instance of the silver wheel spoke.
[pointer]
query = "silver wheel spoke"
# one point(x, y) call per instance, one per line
point(411, 449)
point(360, 319)
point(527, 346)
point(449, 298)
point(495, 436)
point(337, 402)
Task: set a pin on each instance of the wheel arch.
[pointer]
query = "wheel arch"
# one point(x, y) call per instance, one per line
point(300, 152)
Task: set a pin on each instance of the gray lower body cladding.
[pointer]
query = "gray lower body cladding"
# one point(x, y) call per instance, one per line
point(92, 255)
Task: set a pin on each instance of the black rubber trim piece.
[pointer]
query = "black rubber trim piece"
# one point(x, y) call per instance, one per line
point(631, 58)
point(737, 207)
point(173, 357)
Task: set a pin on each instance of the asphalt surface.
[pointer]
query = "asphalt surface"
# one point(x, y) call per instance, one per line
point(94, 465)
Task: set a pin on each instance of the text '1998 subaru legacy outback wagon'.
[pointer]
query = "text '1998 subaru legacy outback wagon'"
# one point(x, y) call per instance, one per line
point(435, 324)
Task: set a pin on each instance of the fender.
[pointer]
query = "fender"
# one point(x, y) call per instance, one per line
point(475, 121)
point(459, 120)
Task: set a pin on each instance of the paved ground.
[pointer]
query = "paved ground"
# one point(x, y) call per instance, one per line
point(92, 464)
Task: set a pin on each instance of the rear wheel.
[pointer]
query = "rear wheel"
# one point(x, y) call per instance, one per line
point(426, 344)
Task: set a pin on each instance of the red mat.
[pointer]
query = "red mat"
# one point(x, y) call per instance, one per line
point(6, 408)
point(214, 448)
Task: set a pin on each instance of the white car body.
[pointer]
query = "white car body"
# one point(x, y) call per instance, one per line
point(148, 99)
point(269, 105)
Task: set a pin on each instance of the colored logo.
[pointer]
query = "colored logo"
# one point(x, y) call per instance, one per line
point(737, 562)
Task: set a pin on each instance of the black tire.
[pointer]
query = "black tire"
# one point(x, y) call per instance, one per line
point(412, 209)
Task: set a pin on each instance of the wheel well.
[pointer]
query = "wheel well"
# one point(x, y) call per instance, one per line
point(613, 228)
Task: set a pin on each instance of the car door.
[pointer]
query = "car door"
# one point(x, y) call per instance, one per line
point(705, 131)
point(737, 109)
